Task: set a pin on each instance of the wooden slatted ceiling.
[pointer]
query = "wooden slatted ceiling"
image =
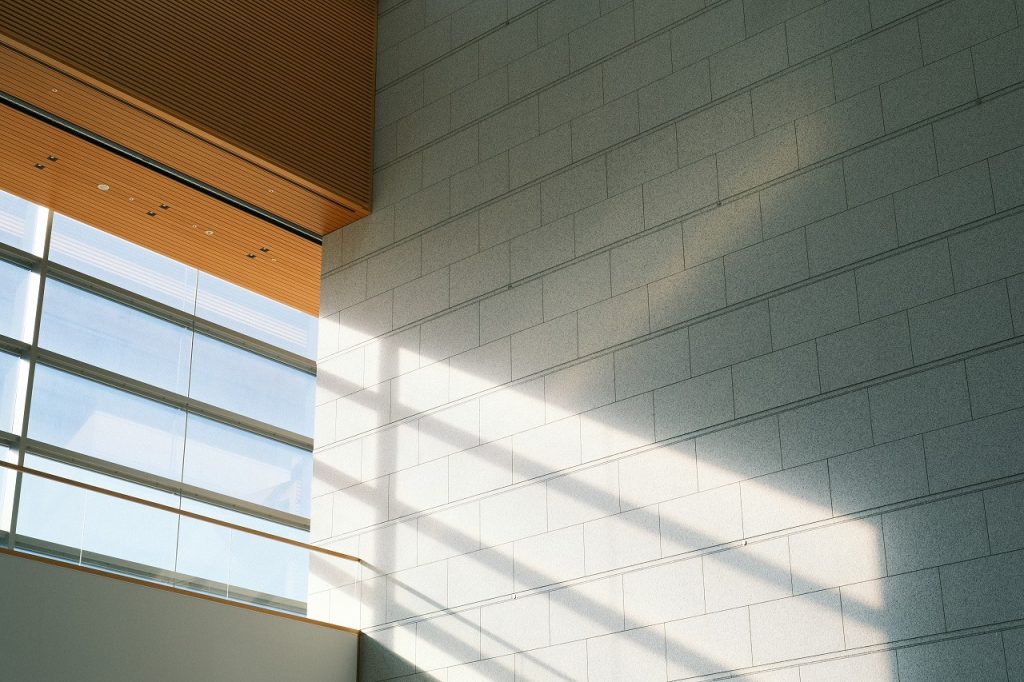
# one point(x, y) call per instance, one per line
point(285, 87)
point(289, 272)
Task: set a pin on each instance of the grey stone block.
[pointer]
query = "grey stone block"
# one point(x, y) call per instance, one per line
point(921, 402)
point(979, 132)
point(639, 654)
point(579, 388)
point(825, 428)
point(893, 608)
point(544, 346)
point(691, 293)
point(609, 221)
point(562, 16)
point(749, 61)
point(618, 427)
point(599, 129)
point(450, 155)
point(847, 124)
point(614, 321)
point(674, 95)
point(479, 274)
point(652, 364)
point(424, 126)
point(538, 68)
point(767, 266)
point(837, 554)
point(988, 253)
point(806, 198)
point(482, 182)
point(776, 379)
point(707, 644)
point(451, 242)
point(511, 410)
point(680, 192)
point(864, 352)
point(541, 249)
point(600, 37)
point(571, 98)
point(452, 72)
point(643, 63)
point(747, 575)
point(996, 380)
point(701, 520)
point(573, 190)
point(814, 310)
point(974, 318)
point(479, 98)
point(999, 62)
point(693, 404)
point(825, 27)
point(786, 499)
point(722, 230)
point(971, 659)
point(511, 311)
point(878, 667)
point(644, 159)
point(799, 626)
point(651, 15)
point(730, 338)
point(707, 33)
point(576, 286)
point(510, 217)
point(877, 59)
point(952, 27)
point(1007, 172)
point(621, 540)
point(935, 533)
point(738, 453)
point(587, 610)
point(509, 43)
point(514, 625)
point(509, 127)
point(544, 450)
point(516, 514)
point(540, 156)
point(757, 161)
point(946, 202)
point(936, 88)
point(1004, 508)
point(905, 280)
point(976, 451)
point(663, 593)
point(793, 95)
point(885, 474)
point(890, 166)
point(716, 128)
point(657, 475)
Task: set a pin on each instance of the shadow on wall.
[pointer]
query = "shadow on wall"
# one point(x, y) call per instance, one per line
point(599, 527)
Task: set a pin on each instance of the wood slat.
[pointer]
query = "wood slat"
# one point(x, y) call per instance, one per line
point(270, 103)
point(289, 272)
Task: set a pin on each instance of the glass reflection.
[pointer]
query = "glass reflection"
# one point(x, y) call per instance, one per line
point(10, 392)
point(122, 263)
point(22, 223)
point(275, 475)
point(251, 385)
point(18, 288)
point(261, 318)
point(100, 421)
point(115, 337)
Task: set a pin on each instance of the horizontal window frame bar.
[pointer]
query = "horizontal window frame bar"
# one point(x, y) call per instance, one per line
point(20, 257)
point(13, 346)
point(112, 292)
point(163, 484)
point(54, 360)
point(28, 471)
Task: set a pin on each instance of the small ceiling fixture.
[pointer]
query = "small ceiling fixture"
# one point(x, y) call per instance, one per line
point(40, 166)
point(209, 233)
point(164, 206)
point(250, 255)
point(265, 249)
point(103, 187)
point(51, 157)
point(151, 213)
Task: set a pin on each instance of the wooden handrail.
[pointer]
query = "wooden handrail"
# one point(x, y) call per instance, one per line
point(180, 512)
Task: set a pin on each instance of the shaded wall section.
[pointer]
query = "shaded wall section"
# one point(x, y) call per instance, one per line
point(64, 624)
point(685, 341)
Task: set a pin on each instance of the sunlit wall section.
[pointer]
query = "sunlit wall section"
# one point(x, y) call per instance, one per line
point(128, 373)
point(684, 342)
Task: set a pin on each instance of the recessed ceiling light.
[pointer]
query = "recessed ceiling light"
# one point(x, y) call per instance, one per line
point(40, 166)
point(51, 157)
point(53, 89)
point(164, 206)
point(209, 233)
point(250, 255)
point(131, 198)
point(151, 213)
point(103, 187)
point(265, 249)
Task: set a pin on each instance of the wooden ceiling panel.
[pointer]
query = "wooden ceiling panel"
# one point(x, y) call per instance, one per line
point(288, 272)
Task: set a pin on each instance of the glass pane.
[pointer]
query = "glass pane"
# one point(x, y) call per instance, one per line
point(22, 223)
point(256, 570)
point(251, 385)
point(7, 478)
point(96, 529)
point(115, 337)
point(257, 316)
point(273, 474)
point(100, 421)
point(122, 263)
point(18, 291)
point(12, 380)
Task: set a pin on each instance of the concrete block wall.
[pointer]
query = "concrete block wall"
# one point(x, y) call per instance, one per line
point(685, 341)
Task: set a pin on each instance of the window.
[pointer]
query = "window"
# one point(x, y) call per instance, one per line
point(154, 381)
